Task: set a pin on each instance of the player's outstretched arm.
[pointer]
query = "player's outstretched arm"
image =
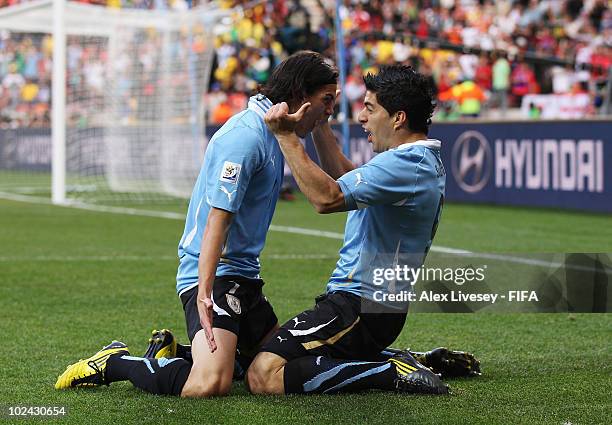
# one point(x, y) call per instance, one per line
point(322, 191)
point(215, 235)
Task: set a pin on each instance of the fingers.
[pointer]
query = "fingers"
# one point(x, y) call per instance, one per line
point(210, 338)
point(280, 121)
point(277, 111)
point(276, 115)
point(300, 112)
point(205, 309)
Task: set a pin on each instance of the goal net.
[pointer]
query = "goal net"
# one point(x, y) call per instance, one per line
point(134, 110)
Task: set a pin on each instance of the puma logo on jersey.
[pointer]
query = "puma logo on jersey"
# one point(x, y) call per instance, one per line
point(281, 339)
point(229, 194)
point(359, 179)
point(297, 321)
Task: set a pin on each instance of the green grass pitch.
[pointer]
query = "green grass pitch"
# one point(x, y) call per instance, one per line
point(72, 280)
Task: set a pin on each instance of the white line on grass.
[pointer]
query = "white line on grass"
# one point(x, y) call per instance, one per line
point(290, 229)
point(179, 216)
point(84, 258)
point(101, 258)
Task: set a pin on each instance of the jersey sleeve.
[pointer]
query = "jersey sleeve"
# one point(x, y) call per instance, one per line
point(235, 157)
point(389, 178)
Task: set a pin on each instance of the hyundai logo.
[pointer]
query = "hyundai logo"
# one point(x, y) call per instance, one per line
point(471, 161)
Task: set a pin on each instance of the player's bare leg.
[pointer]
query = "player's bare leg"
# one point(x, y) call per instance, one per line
point(266, 374)
point(211, 373)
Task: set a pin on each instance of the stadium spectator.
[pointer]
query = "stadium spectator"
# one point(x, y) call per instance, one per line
point(522, 82)
point(534, 111)
point(222, 112)
point(563, 78)
point(574, 31)
point(501, 82)
point(29, 91)
point(467, 95)
point(13, 82)
point(483, 74)
point(355, 91)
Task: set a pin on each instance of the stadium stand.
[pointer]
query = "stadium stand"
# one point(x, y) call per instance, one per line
point(484, 56)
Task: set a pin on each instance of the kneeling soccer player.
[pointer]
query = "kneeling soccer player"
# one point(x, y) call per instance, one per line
point(229, 214)
point(396, 200)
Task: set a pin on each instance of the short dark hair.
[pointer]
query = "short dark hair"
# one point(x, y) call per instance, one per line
point(401, 88)
point(298, 76)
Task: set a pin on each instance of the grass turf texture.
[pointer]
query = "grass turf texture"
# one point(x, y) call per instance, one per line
point(71, 281)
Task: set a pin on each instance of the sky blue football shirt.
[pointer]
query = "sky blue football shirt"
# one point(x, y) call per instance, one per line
point(398, 196)
point(242, 173)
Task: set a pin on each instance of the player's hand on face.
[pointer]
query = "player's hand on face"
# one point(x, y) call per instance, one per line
point(205, 310)
point(280, 121)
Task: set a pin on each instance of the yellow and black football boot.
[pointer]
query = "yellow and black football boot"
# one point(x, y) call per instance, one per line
point(90, 372)
point(161, 344)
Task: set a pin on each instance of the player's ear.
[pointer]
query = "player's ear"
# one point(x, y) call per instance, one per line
point(400, 120)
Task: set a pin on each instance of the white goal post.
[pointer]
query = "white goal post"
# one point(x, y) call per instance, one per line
point(127, 91)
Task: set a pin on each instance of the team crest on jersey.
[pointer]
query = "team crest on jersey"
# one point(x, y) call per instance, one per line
point(233, 303)
point(230, 172)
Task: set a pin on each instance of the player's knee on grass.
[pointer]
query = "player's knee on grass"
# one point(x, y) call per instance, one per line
point(211, 374)
point(265, 375)
point(214, 385)
point(207, 381)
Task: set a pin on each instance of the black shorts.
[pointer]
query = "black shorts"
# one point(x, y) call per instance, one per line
point(239, 307)
point(337, 328)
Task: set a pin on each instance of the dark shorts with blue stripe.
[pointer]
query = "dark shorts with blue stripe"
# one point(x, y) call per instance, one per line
point(341, 325)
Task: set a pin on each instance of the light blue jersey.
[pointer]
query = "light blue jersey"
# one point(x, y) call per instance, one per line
point(398, 196)
point(242, 173)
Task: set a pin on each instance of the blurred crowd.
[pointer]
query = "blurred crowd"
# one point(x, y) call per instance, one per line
point(126, 4)
point(508, 47)
point(482, 56)
point(25, 73)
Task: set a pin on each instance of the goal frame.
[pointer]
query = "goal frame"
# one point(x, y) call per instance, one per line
point(61, 18)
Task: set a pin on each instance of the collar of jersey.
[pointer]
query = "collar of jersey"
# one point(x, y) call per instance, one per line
point(429, 143)
point(259, 104)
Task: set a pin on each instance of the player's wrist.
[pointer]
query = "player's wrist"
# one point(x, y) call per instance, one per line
point(206, 301)
point(289, 138)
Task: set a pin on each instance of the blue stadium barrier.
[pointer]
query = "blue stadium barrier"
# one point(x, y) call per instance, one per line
point(559, 164)
point(556, 164)
point(25, 149)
